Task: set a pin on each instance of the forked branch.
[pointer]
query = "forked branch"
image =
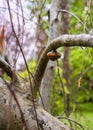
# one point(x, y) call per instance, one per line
point(83, 40)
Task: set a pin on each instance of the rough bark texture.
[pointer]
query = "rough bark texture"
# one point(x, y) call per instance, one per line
point(10, 115)
point(55, 30)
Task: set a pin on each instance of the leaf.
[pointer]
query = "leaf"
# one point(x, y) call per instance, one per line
point(66, 90)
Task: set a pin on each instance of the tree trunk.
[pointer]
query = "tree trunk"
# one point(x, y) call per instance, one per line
point(55, 31)
point(66, 68)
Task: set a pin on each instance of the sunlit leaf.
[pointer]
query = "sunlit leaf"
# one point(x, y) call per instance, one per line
point(66, 90)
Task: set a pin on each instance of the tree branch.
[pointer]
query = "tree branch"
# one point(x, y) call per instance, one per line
point(6, 67)
point(84, 40)
point(8, 70)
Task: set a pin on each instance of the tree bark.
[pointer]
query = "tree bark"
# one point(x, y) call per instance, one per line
point(55, 31)
point(10, 115)
point(66, 67)
point(83, 40)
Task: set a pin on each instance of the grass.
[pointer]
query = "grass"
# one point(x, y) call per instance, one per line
point(85, 118)
point(83, 115)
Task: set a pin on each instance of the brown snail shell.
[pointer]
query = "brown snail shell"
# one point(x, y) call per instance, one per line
point(53, 55)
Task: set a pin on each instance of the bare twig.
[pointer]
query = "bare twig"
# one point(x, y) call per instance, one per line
point(43, 4)
point(22, 11)
point(16, 13)
point(32, 92)
point(83, 73)
point(62, 86)
point(61, 10)
point(77, 123)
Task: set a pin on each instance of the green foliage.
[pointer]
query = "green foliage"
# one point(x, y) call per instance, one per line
point(83, 115)
point(6, 77)
point(39, 9)
point(76, 26)
point(81, 60)
point(84, 12)
point(31, 65)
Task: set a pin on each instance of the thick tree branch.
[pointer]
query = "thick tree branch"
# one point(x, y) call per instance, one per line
point(45, 120)
point(6, 67)
point(84, 40)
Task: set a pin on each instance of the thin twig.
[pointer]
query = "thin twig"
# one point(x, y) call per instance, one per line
point(62, 86)
point(9, 9)
point(15, 13)
point(83, 73)
point(43, 5)
point(77, 123)
point(60, 78)
point(62, 10)
point(22, 11)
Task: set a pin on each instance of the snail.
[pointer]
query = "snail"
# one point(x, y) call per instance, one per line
point(53, 55)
